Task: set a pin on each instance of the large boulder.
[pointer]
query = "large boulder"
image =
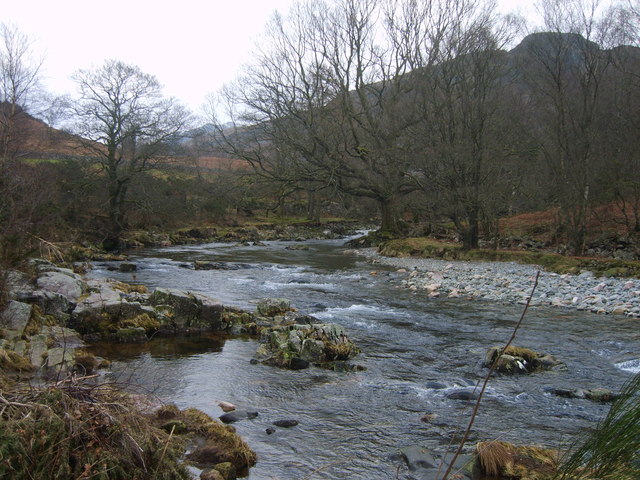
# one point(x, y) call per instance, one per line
point(520, 360)
point(291, 346)
point(63, 282)
point(107, 309)
point(189, 311)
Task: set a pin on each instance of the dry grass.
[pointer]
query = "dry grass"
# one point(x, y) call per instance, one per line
point(79, 430)
point(502, 459)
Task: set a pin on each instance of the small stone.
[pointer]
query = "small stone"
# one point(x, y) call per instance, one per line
point(227, 406)
point(270, 430)
point(428, 417)
point(211, 474)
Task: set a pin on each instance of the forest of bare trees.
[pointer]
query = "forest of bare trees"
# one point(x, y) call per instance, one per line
point(431, 112)
point(445, 105)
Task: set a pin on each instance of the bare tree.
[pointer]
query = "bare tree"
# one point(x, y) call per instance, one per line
point(330, 100)
point(466, 129)
point(19, 82)
point(128, 125)
point(565, 69)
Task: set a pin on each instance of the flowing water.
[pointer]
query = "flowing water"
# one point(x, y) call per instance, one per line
point(416, 351)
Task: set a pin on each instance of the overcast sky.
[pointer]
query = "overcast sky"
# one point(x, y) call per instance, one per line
point(192, 46)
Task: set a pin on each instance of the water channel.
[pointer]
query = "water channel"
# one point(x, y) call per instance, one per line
point(416, 351)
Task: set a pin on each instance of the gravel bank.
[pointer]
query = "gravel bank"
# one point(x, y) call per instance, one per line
point(508, 282)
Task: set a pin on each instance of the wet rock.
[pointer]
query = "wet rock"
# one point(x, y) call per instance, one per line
point(236, 416)
point(435, 385)
point(270, 430)
point(601, 395)
point(205, 265)
point(427, 466)
point(126, 267)
point(417, 457)
point(297, 363)
point(462, 394)
point(285, 423)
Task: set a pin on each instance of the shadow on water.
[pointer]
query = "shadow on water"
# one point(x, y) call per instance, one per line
point(417, 351)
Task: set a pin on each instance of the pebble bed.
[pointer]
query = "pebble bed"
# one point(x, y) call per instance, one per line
point(508, 282)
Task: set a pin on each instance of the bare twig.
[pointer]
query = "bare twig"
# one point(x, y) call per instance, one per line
point(465, 437)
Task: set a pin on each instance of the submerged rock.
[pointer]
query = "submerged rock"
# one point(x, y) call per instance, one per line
point(285, 423)
point(601, 395)
point(427, 466)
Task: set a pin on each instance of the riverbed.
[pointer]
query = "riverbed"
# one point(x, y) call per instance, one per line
point(416, 349)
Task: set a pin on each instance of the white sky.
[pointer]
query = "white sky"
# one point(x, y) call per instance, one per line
point(192, 46)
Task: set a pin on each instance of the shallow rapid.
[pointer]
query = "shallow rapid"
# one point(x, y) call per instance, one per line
point(416, 350)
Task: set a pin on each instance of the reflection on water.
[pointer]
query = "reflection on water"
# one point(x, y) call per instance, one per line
point(417, 351)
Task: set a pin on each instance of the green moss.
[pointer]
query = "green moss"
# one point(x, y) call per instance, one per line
point(129, 288)
point(37, 320)
point(145, 321)
point(12, 361)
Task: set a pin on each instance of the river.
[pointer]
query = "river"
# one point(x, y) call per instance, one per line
point(416, 351)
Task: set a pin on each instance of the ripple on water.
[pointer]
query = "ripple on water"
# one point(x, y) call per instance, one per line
point(631, 366)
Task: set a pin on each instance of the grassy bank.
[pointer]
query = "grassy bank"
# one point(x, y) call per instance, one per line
point(429, 248)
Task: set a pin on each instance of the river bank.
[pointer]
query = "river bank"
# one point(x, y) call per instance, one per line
point(510, 282)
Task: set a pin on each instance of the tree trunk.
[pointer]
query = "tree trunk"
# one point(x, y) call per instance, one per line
point(117, 194)
point(471, 231)
point(313, 206)
point(389, 212)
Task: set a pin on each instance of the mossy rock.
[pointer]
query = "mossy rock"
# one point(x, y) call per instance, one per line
point(227, 470)
point(519, 360)
point(270, 307)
